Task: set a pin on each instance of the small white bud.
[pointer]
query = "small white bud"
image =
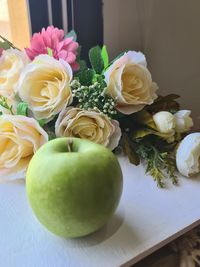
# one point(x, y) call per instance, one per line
point(183, 121)
point(164, 121)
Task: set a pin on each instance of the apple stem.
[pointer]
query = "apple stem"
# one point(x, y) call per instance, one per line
point(69, 145)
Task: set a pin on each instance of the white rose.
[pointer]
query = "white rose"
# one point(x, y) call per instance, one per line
point(20, 137)
point(12, 62)
point(183, 121)
point(90, 125)
point(129, 82)
point(164, 121)
point(188, 155)
point(45, 85)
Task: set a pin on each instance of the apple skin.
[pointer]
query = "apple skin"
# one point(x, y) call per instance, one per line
point(73, 193)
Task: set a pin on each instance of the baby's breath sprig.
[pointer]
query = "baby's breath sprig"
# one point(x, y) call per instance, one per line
point(94, 97)
point(4, 104)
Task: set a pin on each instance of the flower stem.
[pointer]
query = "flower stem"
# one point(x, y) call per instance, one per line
point(69, 145)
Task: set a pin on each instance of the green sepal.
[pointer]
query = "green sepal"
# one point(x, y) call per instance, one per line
point(72, 34)
point(22, 109)
point(50, 52)
point(42, 122)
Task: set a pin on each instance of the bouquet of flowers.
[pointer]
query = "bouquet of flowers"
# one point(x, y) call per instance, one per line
point(47, 91)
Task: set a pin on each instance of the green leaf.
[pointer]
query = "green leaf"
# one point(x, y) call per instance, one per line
point(5, 44)
point(129, 150)
point(86, 76)
point(1, 113)
point(82, 64)
point(96, 59)
point(145, 118)
point(141, 133)
point(42, 122)
point(22, 109)
point(104, 55)
point(72, 34)
point(166, 103)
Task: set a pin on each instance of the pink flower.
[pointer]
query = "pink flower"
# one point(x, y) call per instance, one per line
point(53, 38)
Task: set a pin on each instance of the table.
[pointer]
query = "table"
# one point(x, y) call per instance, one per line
point(146, 219)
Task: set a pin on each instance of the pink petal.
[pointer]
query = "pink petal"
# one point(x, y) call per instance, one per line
point(54, 41)
point(72, 46)
point(60, 34)
point(70, 57)
point(68, 40)
point(59, 46)
point(30, 53)
point(63, 54)
point(37, 42)
point(47, 40)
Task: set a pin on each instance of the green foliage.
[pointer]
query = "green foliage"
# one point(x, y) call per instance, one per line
point(160, 161)
point(96, 60)
point(72, 34)
point(85, 77)
point(82, 63)
point(104, 55)
point(22, 109)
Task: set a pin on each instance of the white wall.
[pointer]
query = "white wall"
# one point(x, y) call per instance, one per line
point(168, 32)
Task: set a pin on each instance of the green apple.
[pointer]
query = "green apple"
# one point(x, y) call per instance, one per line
point(73, 186)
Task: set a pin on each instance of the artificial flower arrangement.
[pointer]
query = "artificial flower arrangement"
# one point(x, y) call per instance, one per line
point(47, 91)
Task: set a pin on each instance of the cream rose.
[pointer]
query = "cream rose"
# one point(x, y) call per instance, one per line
point(45, 85)
point(20, 137)
point(90, 125)
point(129, 82)
point(12, 62)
